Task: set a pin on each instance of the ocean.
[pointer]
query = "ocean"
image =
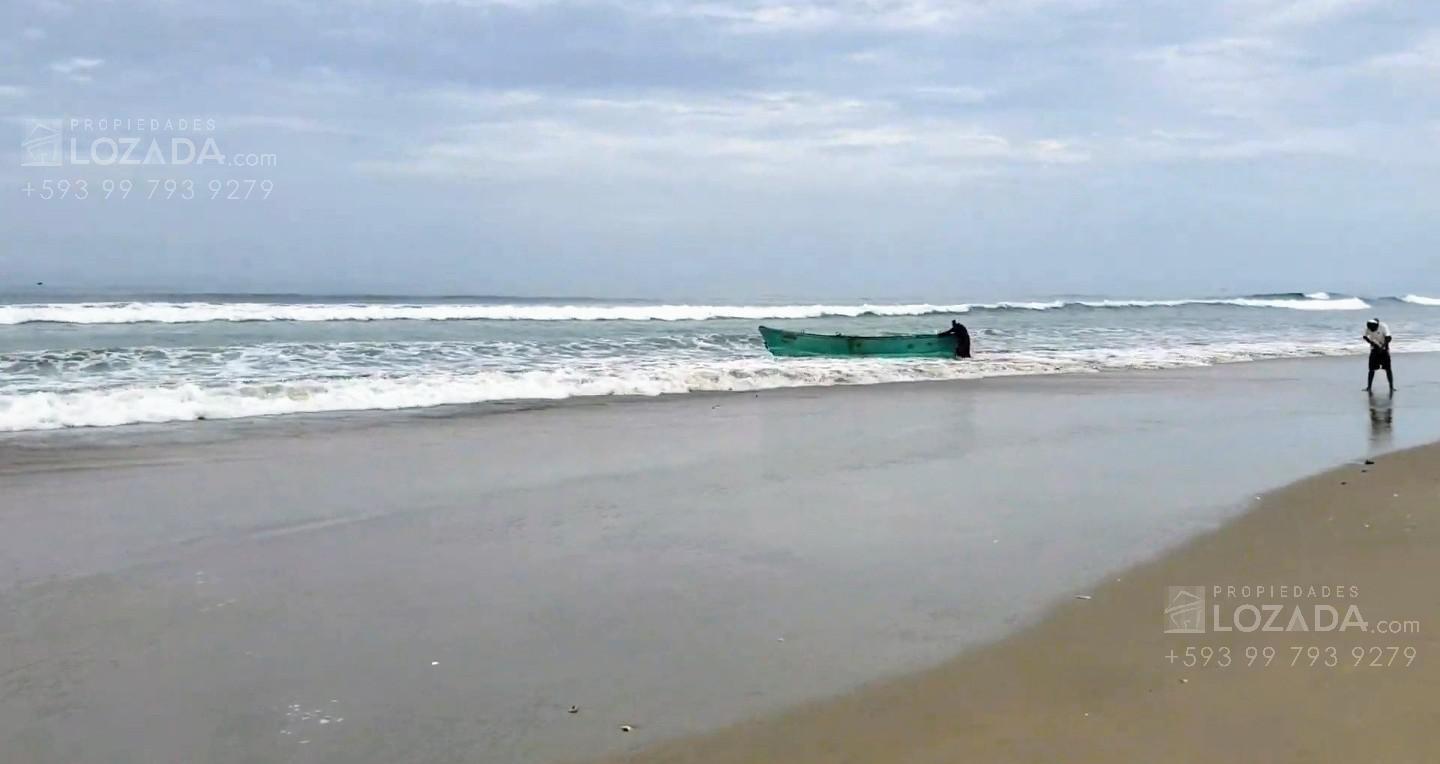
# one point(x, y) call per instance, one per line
point(103, 362)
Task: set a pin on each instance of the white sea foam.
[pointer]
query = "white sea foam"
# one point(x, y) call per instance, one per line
point(136, 402)
point(1344, 303)
point(198, 312)
point(1051, 305)
point(1416, 299)
point(1289, 303)
point(115, 406)
point(201, 312)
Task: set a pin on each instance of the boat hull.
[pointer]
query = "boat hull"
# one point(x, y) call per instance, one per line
point(786, 343)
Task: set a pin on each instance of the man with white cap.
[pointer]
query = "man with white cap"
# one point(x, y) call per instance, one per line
point(1377, 335)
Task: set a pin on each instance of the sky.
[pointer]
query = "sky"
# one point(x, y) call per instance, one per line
point(725, 148)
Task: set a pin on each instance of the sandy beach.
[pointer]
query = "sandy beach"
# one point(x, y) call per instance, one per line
point(442, 586)
point(1098, 680)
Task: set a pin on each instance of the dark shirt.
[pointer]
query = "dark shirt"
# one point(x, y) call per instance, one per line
point(962, 339)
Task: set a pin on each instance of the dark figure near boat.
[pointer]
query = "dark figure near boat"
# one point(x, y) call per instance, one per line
point(1377, 335)
point(962, 338)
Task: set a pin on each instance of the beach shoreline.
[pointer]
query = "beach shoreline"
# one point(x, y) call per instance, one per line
point(342, 420)
point(1099, 679)
point(453, 583)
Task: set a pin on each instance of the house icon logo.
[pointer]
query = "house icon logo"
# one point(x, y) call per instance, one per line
point(1184, 610)
point(41, 147)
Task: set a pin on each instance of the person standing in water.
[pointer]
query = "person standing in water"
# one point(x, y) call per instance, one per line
point(962, 338)
point(1377, 335)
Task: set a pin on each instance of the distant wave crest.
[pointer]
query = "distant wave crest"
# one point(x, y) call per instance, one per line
point(203, 312)
point(1416, 299)
point(200, 312)
point(1289, 303)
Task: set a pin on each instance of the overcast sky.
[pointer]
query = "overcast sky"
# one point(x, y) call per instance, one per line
point(740, 148)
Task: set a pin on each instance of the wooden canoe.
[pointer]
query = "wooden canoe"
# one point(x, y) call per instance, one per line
point(787, 343)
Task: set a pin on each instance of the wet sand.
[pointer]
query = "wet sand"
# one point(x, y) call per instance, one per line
point(1099, 680)
point(442, 586)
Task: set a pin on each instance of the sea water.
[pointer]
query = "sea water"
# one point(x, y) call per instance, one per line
point(87, 361)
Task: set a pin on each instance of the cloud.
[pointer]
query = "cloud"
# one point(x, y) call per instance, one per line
point(77, 68)
point(1191, 146)
point(930, 118)
point(1279, 14)
point(767, 16)
point(953, 94)
point(1238, 77)
point(802, 16)
point(797, 137)
point(292, 124)
point(1420, 58)
point(53, 8)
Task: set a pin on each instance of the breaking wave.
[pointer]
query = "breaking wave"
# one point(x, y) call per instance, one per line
point(1415, 299)
point(135, 401)
point(1289, 303)
point(203, 312)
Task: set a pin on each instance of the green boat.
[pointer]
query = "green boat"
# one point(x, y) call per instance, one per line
point(781, 342)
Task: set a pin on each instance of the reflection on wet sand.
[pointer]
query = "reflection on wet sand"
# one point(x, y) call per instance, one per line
point(1382, 421)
